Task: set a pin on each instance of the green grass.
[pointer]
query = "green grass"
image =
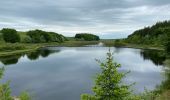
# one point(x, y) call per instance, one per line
point(16, 48)
point(122, 43)
point(7, 49)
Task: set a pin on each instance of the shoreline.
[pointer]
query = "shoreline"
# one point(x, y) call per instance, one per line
point(34, 47)
point(144, 48)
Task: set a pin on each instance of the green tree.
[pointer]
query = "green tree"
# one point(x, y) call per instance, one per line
point(10, 35)
point(39, 36)
point(108, 84)
point(153, 35)
point(36, 36)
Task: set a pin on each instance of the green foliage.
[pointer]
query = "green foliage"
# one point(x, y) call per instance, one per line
point(33, 36)
point(167, 44)
point(154, 35)
point(1, 37)
point(87, 37)
point(24, 96)
point(109, 84)
point(1, 72)
point(88, 97)
point(149, 95)
point(39, 36)
point(12, 47)
point(119, 43)
point(26, 39)
point(5, 92)
point(10, 35)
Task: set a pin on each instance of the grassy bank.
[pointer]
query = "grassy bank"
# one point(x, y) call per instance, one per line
point(164, 89)
point(7, 49)
point(140, 46)
point(122, 43)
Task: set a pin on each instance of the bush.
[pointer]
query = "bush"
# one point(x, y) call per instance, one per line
point(10, 35)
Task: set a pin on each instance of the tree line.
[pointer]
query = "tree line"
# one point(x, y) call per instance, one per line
point(33, 36)
point(87, 37)
point(38, 36)
point(156, 35)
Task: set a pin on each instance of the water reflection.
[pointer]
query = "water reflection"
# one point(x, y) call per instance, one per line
point(73, 68)
point(8, 60)
point(157, 57)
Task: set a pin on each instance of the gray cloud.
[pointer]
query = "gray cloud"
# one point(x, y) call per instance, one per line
point(107, 18)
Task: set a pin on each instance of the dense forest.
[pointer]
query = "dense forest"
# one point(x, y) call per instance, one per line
point(87, 37)
point(156, 35)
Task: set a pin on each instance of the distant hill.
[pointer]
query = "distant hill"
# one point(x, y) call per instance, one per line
point(87, 37)
point(155, 35)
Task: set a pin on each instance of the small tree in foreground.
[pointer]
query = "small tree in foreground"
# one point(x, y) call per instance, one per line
point(5, 91)
point(109, 84)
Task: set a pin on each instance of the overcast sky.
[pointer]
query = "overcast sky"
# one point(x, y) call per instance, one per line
point(106, 18)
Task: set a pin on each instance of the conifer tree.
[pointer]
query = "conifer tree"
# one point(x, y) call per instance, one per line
point(108, 84)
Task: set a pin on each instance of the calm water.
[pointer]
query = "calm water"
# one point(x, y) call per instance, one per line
point(64, 73)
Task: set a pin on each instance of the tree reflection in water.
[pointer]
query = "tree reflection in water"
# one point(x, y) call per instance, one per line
point(157, 57)
point(13, 59)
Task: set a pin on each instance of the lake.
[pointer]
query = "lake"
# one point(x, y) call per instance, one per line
point(64, 73)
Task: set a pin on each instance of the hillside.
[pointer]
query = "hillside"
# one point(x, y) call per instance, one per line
point(87, 37)
point(156, 35)
point(32, 36)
